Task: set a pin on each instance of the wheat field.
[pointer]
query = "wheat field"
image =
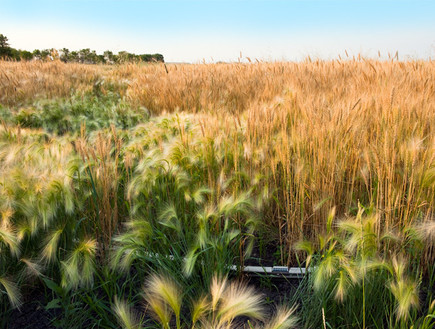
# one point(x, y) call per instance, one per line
point(324, 133)
point(274, 148)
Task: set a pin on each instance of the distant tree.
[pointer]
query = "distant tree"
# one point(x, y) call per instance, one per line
point(74, 56)
point(36, 54)
point(108, 56)
point(45, 53)
point(145, 57)
point(5, 50)
point(93, 57)
point(85, 55)
point(152, 58)
point(65, 55)
point(4, 41)
point(25, 55)
point(101, 59)
point(124, 56)
point(159, 58)
point(14, 54)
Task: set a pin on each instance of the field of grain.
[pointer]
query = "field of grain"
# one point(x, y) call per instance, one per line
point(328, 165)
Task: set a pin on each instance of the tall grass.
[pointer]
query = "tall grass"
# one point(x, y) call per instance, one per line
point(351, 274)
point(197, 163)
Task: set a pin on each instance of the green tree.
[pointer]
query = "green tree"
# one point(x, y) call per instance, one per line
point(93, 57)
point(85, 55)
point(101, 59)
point(74, 56)
point(65, 55)
point(5, 50)
point(3, 41)
point(124, 56)
point(108, 56)
point(37, 54)
point(25, 55)
point(45, 53)
point(159, 58)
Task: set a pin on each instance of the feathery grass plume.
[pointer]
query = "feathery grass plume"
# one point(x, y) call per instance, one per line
point(199, 195)
point(391, 238)
point(79, 268)
point(11, 290)
point(239, 300)
point(230, 206)
point(341, 286)
point(361, 234)
point(217, 289)
point(164, 297)
point(398, 267)
point(8, 239)
point(32, 268)
point(126, 318)
point(405, 292)
point(169, 218)
point(308, 248)
point(24, 229)
point(283, 318)
point(6, 215)
point(327, 268)
point(230, 301)
point(130, 244)
point(427, 230)
point(190, 261)
point(403, 288)
point(49, 252)
point(200, 307)
point(205, 217)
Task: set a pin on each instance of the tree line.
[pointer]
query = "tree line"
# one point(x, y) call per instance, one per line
point(86, 55)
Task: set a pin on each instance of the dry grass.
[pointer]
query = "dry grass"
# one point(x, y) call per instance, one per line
point(323, 133)
point(100, 174)
point(21, 82)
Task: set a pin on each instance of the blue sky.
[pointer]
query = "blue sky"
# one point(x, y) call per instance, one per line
point(214, 30)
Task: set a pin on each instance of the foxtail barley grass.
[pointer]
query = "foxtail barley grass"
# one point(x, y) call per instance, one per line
point(228, 305)
point(350, 262)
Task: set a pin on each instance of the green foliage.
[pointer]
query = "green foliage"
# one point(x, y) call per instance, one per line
point(86, 55)
point(96, 111)
point(176, 226)
point(5, 50)
point(90, 306)
point(351, 277)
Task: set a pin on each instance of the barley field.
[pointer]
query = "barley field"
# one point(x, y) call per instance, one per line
point(134, 182)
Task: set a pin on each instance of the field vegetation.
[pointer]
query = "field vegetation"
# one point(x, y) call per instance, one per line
point(144, 182)
point(84, 56)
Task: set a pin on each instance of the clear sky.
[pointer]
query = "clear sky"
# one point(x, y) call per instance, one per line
point(214, 30)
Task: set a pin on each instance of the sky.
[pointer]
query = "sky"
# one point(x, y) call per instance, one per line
point(221, 30)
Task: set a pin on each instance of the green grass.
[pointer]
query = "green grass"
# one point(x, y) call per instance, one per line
point(62, 116)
